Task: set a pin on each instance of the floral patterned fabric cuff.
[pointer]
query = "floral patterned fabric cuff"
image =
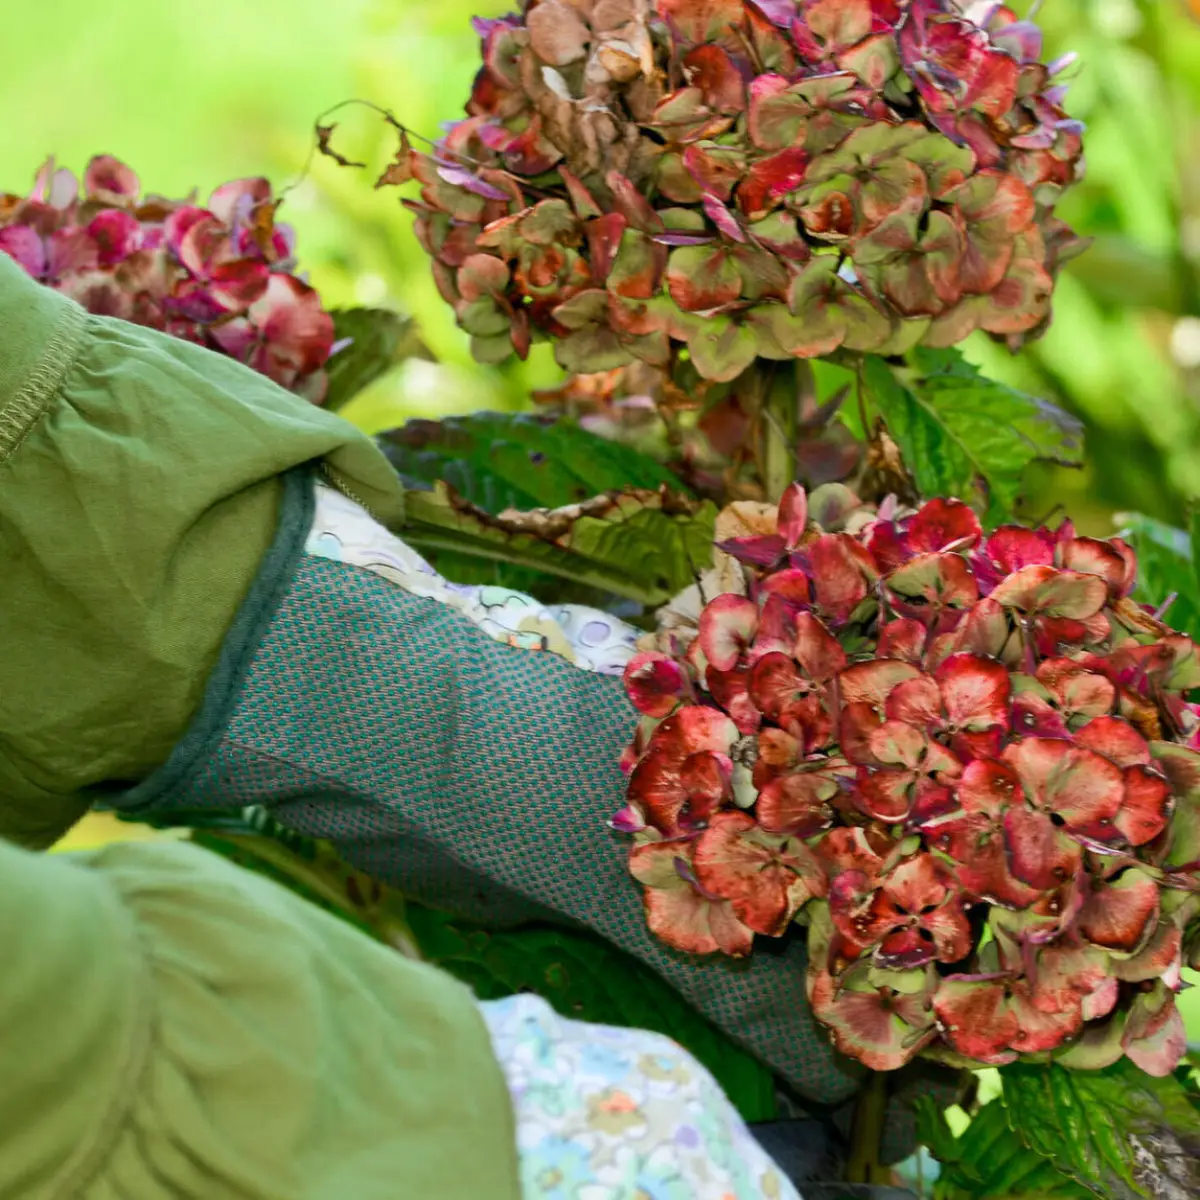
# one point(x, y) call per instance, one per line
point(590, 639)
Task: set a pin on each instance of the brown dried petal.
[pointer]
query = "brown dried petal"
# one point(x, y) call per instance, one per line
point(557, 33)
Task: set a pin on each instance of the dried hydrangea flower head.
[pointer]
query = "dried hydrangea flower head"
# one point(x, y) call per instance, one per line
point(967, 763)
point(219, 275)
point(774, 180)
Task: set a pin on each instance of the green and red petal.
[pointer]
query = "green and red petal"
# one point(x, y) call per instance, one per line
point(848, 848)
point(881, 1028)
point(840, 569)
point(776, 684)
point(1146, 808)
point(1010, 549)
point(693, 728)
point(932, 584)
point(776, 632)
point(916, 702)
point(1039, 1031)
point(975, 692)
point(989, 788)
point(902, 638)
point(657, 791)
point(727, 627)
point(770, 179)
point(1081, 787)
point(872, 682)
point(922, 891)
point(976, 844)
point(730, 689)
point(710, 68)
point(816, 649)
point(797, 804)
point(1039, 853)
point(1160, 958)
point(793, 515)
point(1082, 695)
point(856, 724)
point(778, 750)
point(677, 911)
point(884, 794)
point(984, 630)
point(1155, 1038)
point(976, 1018)
point(1115, 738)
point(1119, 914)
point(689, 921)
point(1045, 591)
point(766, 877)
point(1108, 560)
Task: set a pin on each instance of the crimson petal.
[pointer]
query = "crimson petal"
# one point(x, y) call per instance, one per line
point(942, 525)
point(681, 915)
point(1146, 807)
point(727, 626)
point(1040, 854)
point(797, 804)
point(766, 877)
point(975, 692)
point(976, 1019)
point(1116, 914)
point(655, 683)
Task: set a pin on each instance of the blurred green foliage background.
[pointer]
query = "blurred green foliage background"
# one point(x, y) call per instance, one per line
point(191, 97)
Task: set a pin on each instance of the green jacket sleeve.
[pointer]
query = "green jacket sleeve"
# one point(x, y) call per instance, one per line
point(139, 489)
point(177, 1027)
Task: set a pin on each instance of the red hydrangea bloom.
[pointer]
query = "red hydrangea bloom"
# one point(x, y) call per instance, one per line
point(965, 763)
point(221, 275)
point(751, 179)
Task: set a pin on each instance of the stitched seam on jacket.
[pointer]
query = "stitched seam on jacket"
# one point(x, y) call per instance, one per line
point(26, 407)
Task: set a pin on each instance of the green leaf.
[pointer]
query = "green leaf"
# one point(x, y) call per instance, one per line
point(381, 339)
point(967, 436)
point(988, 1160)
point(1166, 568)
point(503, 461)
point(586, 979)
point(1118, 1131)
point(519, 460)
point(934, 1132)
point(645, 546)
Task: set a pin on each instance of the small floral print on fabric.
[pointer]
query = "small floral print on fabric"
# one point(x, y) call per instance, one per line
point(620, 1114)
point(345, 532)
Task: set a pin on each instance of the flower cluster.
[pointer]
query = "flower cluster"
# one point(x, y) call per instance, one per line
point(771, 179)
point(968, 763)
point(219, 275)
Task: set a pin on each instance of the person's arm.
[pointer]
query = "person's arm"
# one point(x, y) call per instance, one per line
point(181, 633)
point(139, 490)
point(177, 1027)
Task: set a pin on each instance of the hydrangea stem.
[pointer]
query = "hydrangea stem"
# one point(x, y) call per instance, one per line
point(866, 1132)
point(778, 419)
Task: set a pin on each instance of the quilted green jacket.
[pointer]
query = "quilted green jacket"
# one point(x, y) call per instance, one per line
point(126, 457)
point(176, 1028)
